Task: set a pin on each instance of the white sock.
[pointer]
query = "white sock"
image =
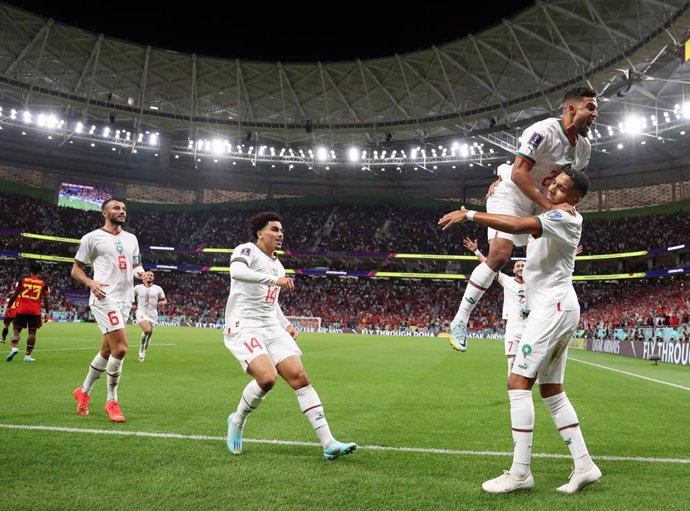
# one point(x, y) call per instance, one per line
point(252, 395)
point(95, 371)
point(565, 419)
point(480, 280)
point(522, 422)
point(143, 338)
point(311, 407)
point(114, 370)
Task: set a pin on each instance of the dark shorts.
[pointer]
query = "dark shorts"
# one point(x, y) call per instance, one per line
point(28, 320)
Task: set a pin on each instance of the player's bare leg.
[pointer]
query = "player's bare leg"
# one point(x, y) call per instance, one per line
point(292, 371)
point(265, 376)
point(15, 343)
point(30, 344)
point(482, 276)
point(146, 333)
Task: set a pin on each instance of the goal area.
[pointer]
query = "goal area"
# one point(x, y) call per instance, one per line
point(305, 322)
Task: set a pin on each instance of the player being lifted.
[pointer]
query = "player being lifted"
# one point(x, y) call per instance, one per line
point(147, 298)
point(546, 148)
point(29, 293)
point(114, 254)
point(262, 339)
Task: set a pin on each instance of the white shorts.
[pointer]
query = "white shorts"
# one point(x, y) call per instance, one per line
point(110, 316)
point(543, 349)
point(248, 343)
point(144, 317)
point(514, 330)
point(507, 199)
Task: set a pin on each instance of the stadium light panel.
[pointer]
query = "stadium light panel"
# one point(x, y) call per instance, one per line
point(353, 154)
point(26, 117)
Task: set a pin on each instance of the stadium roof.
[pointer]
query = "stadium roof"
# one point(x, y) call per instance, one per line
point(481, 89)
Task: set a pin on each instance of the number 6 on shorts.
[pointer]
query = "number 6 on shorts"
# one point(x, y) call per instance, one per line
point(114, 319)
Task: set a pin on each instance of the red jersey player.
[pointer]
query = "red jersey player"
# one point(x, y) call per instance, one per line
point(30, 291)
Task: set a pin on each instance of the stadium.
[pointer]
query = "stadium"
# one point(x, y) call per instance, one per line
point(360, 157)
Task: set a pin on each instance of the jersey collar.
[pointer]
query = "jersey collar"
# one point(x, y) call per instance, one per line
point(272, 256)
point(110, 232)
point(565, 132)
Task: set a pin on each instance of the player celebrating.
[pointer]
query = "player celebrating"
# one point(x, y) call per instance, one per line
point(262, 339)
point(114, 254)
point(147, 298)
point(547, 148)
point(554, 316)
point(29, 292)
point(515, 309)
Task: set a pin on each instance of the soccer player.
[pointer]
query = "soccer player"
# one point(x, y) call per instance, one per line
point(262, 339)
point(8, 314)
point(29, 292)
point(547, 148)
point(553, 318)
point(147, 298)
point(515, 309)
point(114, 254)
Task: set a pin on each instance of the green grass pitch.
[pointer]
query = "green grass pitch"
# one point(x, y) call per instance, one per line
point(432, 424)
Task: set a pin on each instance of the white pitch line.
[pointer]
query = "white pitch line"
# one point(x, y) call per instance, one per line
point(422, 450)
point(89, 348)
point(630, 374)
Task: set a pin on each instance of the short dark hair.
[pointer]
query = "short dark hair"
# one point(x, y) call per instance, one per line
point(35, 267)
point(580, 179)
point(108, 201)
point(258, 222)
point(579, 93)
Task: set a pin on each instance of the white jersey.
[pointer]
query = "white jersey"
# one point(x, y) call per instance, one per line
point(551, 261)
point(513, 297)
point(147, 299)
point(253, 304)
point(114, 257)
point(547, 146)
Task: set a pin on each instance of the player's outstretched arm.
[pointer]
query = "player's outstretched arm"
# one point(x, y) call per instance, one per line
point(503, 223)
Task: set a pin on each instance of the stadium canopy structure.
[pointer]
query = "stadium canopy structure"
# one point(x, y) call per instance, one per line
point(435, 122)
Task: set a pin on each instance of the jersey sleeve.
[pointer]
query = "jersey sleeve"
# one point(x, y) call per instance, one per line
point(84, 251)
point(243, 253)
point(534, 143)
point(561, 225)
point(161, 294)
point(136, 257)
point(586, 154)
point(502, 278)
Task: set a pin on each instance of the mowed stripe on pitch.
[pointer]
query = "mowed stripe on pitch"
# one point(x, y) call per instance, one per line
point(421, 450)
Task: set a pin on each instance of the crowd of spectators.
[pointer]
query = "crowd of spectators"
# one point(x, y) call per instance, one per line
point(342, 228)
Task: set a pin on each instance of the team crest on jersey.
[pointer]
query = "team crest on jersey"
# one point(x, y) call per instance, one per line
point(554, 214)
point(118, 247)
point(526, 349)
point(246, 251)
point(535, 140)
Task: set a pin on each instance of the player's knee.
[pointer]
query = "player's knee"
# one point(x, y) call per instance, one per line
point(299, 380)
point(267, 381)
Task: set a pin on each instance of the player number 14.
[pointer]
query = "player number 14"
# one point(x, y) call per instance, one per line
point(272, 294)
